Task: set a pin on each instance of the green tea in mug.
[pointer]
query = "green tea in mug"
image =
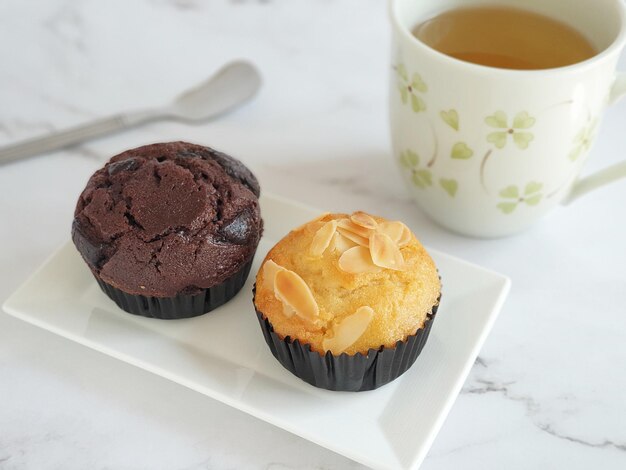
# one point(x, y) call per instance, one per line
point(504, 37)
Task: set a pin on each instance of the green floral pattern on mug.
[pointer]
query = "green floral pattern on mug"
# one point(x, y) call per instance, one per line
point(421, 177)
point(583, 140)
point(521, 121)
point(451, 118)
point(411, 89)
point(513, 197)
point(460, 151)
point(450, 186)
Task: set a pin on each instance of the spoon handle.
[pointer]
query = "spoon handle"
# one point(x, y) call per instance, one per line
point(71, 136)
point(229, 87)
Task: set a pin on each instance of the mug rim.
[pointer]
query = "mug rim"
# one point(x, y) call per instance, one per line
point(615, 47)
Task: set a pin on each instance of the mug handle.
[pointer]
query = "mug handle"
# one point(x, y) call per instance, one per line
point(612, 173)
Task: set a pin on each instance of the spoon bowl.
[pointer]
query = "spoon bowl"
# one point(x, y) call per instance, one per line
point(233, 84)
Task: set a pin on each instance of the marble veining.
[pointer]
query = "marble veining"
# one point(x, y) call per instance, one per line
point(598, 445)
point(533, 409)
point(68, 27)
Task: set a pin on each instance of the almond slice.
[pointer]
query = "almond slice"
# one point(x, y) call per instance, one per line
point(353, 237)
point(393, 229)
point(406, 237)
point(357, 260)
point(341, 244)
point(397, 231)
point(316, 219)
point(291, 290)
point(270, 268)
point(349, 226)
point(364, 220)
point(348, 330)
point(385, 253)
point(288, 311)
point(322, 238)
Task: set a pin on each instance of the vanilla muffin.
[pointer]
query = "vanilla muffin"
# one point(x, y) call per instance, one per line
point(349, 287)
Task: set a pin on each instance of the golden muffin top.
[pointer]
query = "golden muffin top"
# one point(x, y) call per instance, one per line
point(347, 283)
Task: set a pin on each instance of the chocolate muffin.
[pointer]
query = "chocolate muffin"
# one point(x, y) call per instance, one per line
point(169, 230)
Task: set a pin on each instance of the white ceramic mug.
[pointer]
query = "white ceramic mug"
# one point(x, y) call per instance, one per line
point(488, 151)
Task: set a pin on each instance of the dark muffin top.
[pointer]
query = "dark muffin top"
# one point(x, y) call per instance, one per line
point(166, 219)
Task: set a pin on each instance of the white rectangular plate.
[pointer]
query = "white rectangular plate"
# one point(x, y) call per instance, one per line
point(392, 427)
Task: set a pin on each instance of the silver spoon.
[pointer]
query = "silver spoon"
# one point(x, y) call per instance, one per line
point(229, 87)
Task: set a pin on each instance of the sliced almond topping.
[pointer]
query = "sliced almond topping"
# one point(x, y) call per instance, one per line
point(353, 237)
point(340, 243)
point(393, 229)
point(397, 231)
point(349, 226)
point(406, 237)
point(385, 253)
point(288, 311)
point(364, 220)
point(322, 238)
point(357, 260)
point(319, 217)
point(291, 290)
point(270, 268)
point(348, 331)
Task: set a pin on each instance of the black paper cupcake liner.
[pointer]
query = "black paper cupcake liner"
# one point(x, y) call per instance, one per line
point(180, 306)
point(356, 373)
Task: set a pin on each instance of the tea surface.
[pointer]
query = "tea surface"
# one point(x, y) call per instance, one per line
point(504, 37)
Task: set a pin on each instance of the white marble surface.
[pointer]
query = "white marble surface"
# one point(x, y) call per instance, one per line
point(548, 389)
